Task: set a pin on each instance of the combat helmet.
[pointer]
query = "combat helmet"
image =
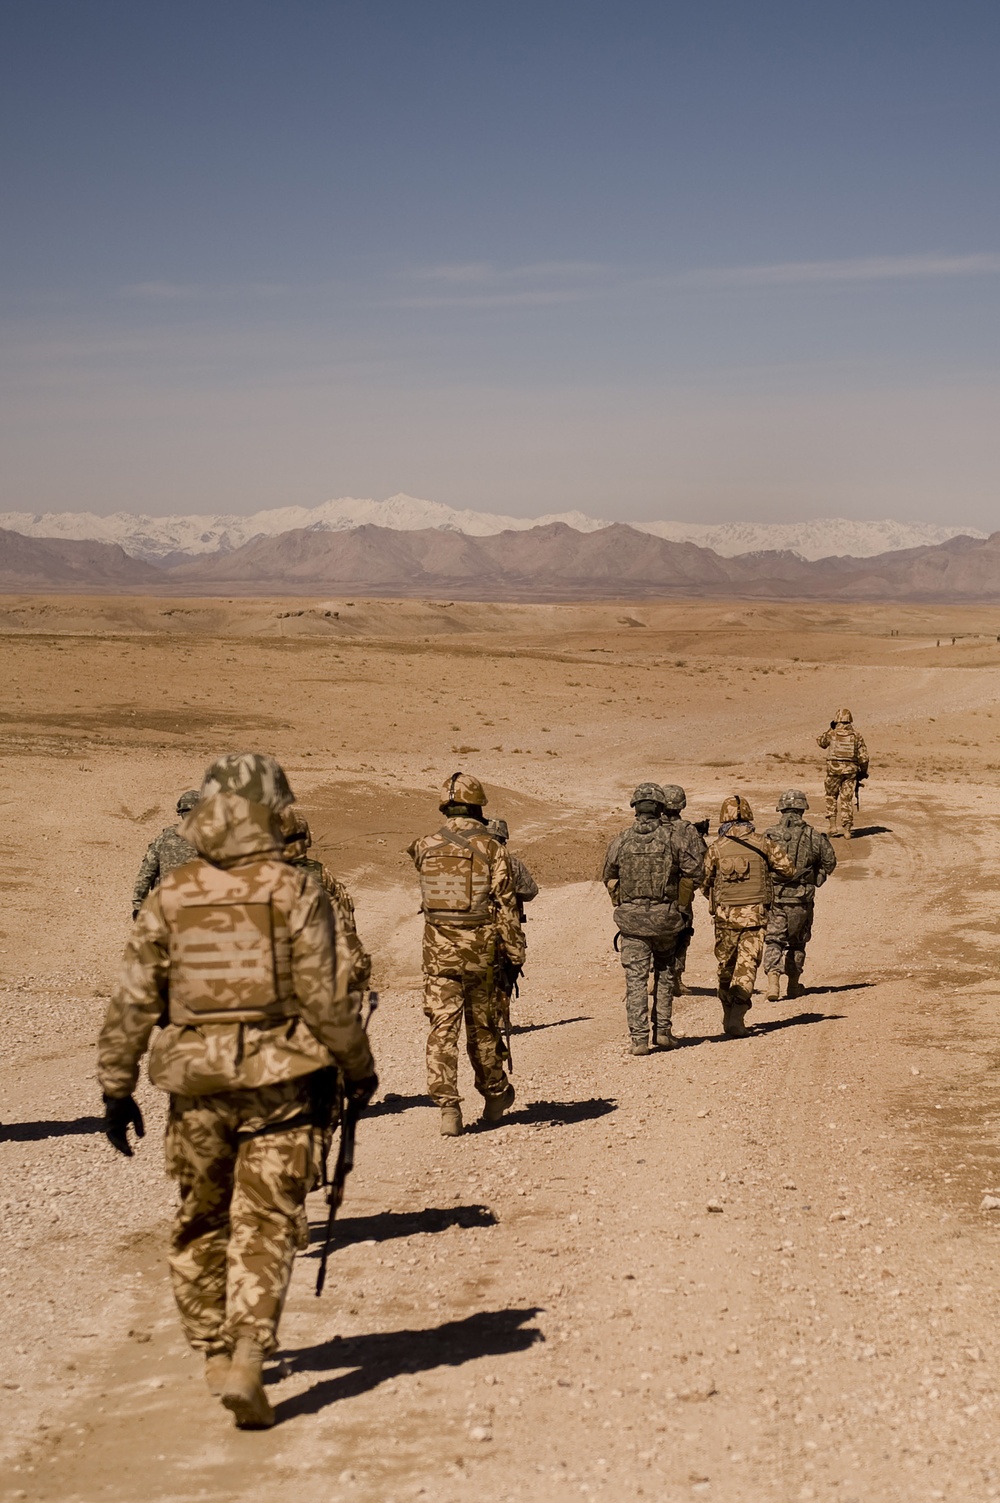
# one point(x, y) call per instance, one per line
point(735, 810)
point(462, 788)
point(648, 793)
point(295, 828)
point(254, 776)
point(844, 717)
point(187, 801)
point(792, 799)
point(674, 797)
point(498, 829)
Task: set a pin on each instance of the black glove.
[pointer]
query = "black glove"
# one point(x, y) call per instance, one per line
point(121, 1113)
point(360, 1092)
point(135, 914)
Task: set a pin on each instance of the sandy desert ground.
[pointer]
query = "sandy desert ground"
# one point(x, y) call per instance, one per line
point(548, 1310)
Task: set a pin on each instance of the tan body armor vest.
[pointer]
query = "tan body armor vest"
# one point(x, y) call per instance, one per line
point(455, 878)
point(843, 745)
point(230, 948)
point(743, 876)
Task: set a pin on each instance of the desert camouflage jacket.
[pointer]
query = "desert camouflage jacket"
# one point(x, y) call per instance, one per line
point(455, 950)
point(810, 852)
point(843, 745)
point(240, 857)
point(168, 850)
point(343, 910)
point(745, 915)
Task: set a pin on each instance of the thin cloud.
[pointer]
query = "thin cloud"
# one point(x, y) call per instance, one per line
point(180, 292)
point(483, 273)
point(854, 269)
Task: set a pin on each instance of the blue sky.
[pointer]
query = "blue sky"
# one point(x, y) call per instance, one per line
point(732, 260)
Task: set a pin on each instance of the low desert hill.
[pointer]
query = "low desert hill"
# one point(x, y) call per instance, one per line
point(62, 563)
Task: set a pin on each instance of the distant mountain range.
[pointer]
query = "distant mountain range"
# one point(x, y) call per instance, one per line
point(169, 539)
point(550, 562)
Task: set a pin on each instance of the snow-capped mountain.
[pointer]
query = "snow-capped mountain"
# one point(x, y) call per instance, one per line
point(153, 538)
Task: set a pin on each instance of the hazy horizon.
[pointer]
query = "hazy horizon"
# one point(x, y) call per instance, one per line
point(649, 263)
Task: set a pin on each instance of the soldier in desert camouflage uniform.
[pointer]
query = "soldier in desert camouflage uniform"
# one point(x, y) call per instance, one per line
point(740, 890)
point(643, 869)
point(237, 955)
point(467, 898)
point(168, 850)
point(691, 838)
point(846, 767)
point(789, 923)
point(525, 886)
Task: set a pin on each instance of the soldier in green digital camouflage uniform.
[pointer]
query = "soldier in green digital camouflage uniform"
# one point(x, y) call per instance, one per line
point(237, 958)
point(690, 836)
point(168, 850)
point(739, 885)
point(789, 923)
point(467, 898)
point(643, 870)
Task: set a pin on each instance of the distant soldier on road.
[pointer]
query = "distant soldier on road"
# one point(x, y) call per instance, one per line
point(643, 870)
point(740, 890)
point(846, 769)
point(241, 951)
point(789, 924)
point(470, 925)
point(692, 837)
point(168, 850)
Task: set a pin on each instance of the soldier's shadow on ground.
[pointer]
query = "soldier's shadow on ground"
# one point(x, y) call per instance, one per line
point(383, 1226)
point(871, 830)
point(848, 986)
point(555, 1113)
point(800, 1020)
point(36, 1132)
point(559, 1023)
point(393, 1103)
point(376, 1358)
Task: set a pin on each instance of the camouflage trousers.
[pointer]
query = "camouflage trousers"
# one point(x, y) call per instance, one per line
point(738, 952)
point(447, 1000)
point(789, 930)
point(839, 789)
point(683, 944)
point(639, 956)
point(243, 1177)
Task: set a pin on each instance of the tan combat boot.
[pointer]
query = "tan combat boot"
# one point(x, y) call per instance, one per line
point(732, 1020)
point(217, 1366)
point(667, 1040)
point(451, 1122)
point(244, 1394)
point(680, 990)
point(795, 987)
point(774, 986)
point(495, 1106)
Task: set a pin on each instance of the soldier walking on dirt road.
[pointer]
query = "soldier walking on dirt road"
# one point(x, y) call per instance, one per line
point(643, 870)
point(846, 769)
point(241, 950)
point(740, 891)
point(168, 850)
point(470, 915)
point(692, 837)
point(789, 923)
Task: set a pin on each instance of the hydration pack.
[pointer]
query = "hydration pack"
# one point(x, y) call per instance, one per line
point(843, 745)
point(743, 876)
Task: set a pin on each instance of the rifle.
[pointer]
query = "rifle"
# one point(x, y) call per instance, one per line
point(345, 1158)
point(701, 825)
point(505, 979)
point(857, 789)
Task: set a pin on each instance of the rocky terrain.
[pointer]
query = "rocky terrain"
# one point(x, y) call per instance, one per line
point(755, 1271)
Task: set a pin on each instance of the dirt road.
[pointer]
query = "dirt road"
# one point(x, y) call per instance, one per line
point(551, 1309)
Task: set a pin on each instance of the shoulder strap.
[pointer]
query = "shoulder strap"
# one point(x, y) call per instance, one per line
point(747, 845)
